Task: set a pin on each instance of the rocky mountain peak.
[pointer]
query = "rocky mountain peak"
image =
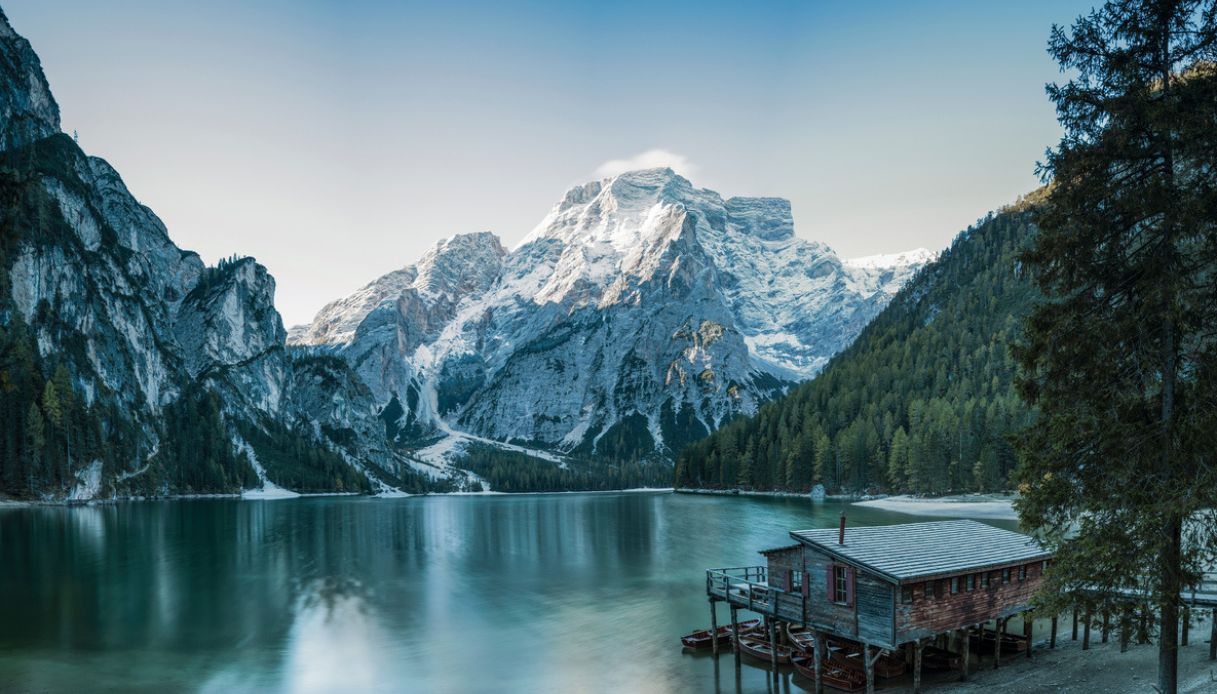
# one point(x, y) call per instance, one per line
point(461, 264)
point(28, 111)
point(641, 313)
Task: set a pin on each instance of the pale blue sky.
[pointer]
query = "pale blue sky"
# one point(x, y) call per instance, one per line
point(335, 141)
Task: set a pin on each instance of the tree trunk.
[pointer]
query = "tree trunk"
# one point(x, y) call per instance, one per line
point(1168, 632)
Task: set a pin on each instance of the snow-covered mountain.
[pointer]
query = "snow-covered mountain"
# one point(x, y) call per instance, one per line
point(640, 314)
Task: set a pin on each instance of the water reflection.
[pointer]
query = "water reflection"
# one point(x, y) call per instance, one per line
point(336, 642)
point(534, 593)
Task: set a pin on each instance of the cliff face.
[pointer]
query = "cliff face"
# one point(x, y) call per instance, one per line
point(151, 339)
point(28, 112)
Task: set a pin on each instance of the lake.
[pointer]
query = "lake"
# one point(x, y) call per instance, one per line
point(531, 593)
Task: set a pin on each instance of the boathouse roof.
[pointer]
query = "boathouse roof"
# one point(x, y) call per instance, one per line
point(915, 550)
point(783, 548)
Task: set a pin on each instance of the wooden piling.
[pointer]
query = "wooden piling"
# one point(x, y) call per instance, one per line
point(819, 664)
point(1001, 636)
point(966, 652)
point(1052, 634)
point(773, 646)
point(735, 633)
point(714, 625)
point(869, 663)
point(917, 667)
point(1028, 630)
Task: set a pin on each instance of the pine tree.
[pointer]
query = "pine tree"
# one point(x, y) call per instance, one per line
point(50, 404)
point(1121, 361)
point(35, 440)
point(898, 460)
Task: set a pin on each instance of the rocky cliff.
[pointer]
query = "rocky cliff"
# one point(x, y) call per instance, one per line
point(128, 365)
point(639, 315)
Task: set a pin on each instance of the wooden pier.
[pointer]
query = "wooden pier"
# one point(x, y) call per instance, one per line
point(918, 592)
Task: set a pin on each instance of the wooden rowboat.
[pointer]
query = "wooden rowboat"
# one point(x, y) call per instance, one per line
point(704, 638)
point(801, 638)
point(763, 650)
point(830, 674)
point(848, 654)
point(845, 680)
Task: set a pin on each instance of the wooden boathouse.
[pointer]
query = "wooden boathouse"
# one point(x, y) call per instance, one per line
point(894, 589)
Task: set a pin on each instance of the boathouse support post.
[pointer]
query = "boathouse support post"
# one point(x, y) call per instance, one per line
point(1052, 634)
point(1213, 636)
point(1001, 635)
point(714, 625)
point(735, 632)
point(1186, 618)
point(1106, 625)
point(1028, 630)
point(773, 646)
point(819, 664)
point(870, 667)
point(965, 649)
point(1086, 632)
point(917, 667)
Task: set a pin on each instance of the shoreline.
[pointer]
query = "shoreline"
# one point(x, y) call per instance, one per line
point(995, 506)
point(771, 494)
point(257, 496)
point(990, 506)
point(981, 506)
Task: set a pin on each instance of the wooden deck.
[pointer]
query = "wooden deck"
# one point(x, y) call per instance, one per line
point(747, 587)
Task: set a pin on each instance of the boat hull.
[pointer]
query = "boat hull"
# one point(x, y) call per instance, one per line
point(704, 638)
point(763, 650)
point(831, 674)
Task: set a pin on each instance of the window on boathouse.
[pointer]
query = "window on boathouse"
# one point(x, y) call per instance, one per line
point(841, 588)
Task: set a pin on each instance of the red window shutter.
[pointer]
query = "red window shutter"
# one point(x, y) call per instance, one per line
point(849, 586)
point(831, 594)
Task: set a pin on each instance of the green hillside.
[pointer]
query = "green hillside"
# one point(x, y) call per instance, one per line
point(923, 401)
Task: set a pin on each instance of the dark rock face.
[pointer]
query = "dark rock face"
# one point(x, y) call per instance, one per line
point(94, 278)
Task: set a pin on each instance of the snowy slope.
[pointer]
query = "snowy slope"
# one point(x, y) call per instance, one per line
point(640, 314)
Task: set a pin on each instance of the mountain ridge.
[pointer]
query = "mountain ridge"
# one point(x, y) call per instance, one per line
point(753, 307)
point(128, 366)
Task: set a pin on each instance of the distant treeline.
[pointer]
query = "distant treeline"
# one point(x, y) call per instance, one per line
point(509, 471)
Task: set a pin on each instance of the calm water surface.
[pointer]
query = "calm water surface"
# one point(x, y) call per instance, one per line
point(548, 593)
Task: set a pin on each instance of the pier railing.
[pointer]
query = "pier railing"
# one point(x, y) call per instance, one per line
point(748, 587)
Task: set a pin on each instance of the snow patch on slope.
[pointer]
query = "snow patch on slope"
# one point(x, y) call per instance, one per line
point(268, 489)
point(916, 257)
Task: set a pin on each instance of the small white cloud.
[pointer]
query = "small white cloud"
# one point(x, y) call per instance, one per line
point(650, 159)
